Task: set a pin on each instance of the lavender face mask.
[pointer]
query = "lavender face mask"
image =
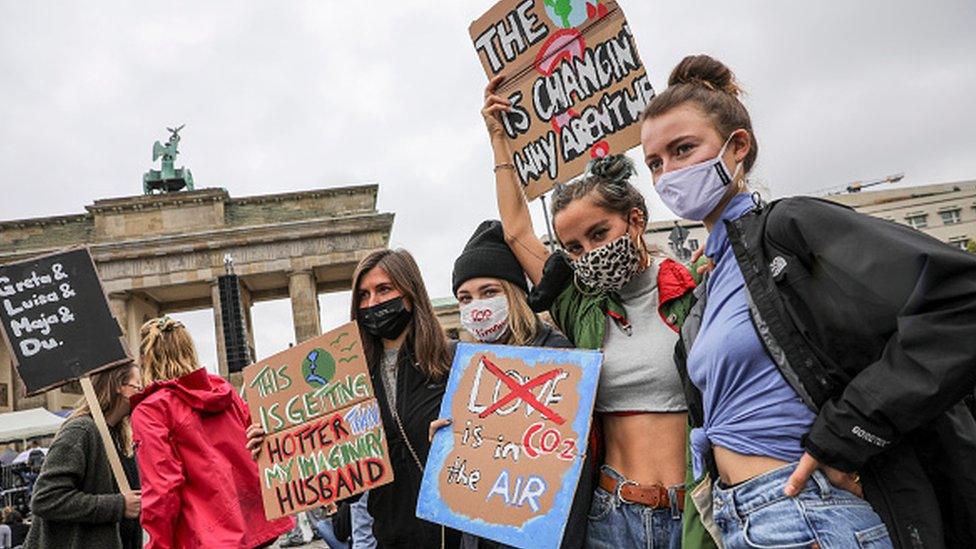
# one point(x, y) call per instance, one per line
point(694, 191)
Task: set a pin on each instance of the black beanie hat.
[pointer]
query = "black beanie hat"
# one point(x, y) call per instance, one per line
point(486, 254)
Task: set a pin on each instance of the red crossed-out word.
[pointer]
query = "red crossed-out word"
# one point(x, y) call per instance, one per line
point(518, 390)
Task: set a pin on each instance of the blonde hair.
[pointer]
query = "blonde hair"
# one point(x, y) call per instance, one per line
point(166, 350)
point(523, 324)
point(108, 390)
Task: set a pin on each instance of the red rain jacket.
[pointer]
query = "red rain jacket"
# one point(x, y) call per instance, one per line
point(200, 487)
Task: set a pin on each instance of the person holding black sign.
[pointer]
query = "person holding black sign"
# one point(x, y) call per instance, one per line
point(76, 504)
point(200, 486)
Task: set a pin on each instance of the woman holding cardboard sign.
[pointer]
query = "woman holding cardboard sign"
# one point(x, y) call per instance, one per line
point(200, 486)
point(491, 288)
point(75, 502)
point(609, 290)
point(409, 358)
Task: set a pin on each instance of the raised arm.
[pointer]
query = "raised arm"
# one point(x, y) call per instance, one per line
point(512, 207)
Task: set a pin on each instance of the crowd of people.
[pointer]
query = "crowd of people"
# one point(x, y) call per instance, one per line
point(801, 384)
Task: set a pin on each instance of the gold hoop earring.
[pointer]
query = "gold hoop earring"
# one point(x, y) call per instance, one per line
point(647, 252)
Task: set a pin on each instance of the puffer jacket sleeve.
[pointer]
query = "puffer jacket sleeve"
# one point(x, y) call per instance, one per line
point(557, 276)
point(57, 494)
point(929, 362)
point(161, 472)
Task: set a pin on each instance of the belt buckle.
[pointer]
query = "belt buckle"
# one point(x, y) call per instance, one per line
point(620, 486)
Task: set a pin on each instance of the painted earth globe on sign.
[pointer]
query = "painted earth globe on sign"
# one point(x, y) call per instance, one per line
point(318, 367)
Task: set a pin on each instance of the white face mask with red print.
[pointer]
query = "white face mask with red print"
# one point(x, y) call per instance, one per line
point(486, 319)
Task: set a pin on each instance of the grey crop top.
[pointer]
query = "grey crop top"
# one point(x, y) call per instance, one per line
point(638, 372)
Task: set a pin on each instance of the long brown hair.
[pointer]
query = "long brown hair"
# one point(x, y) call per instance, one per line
point(166, 350)
point(425, 336)
point(108, 391)
point(711, 86)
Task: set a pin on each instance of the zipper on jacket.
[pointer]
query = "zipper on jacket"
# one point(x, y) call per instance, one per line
point(772, 346)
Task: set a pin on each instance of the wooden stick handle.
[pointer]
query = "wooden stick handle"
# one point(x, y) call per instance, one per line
point(113, 456)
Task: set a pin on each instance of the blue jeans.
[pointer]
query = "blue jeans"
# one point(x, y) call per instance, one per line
point(615, 523)
point(756, 513)
point(362, 524)
point(324, 529)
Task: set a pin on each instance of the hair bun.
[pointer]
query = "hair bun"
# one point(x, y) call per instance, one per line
point(615, 168)
point(165, 323)
point(706, 71)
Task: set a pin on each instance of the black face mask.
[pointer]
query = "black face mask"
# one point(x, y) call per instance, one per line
point(386, 320)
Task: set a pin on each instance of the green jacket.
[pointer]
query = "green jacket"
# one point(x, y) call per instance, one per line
point(75, 503)
point(581, 315)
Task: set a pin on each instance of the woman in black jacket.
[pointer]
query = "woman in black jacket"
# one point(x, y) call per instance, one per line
point(828, 355)
point(409, 358)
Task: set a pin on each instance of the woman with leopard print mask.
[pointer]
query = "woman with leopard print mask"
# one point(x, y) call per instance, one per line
point(607, 290)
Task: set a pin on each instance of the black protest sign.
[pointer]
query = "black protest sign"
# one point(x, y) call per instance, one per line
point(56, 319)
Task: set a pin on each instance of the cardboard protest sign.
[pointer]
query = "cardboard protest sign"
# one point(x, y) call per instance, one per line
point(575, 81)
point(56, 320)
point(325, 439)
point(508, 466)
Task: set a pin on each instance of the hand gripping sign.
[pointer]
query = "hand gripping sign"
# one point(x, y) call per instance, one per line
point(507, 467)
point(59, 328)
point(575, 81)
point(325, 439)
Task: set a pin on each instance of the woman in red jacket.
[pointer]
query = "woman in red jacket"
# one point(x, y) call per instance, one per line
point(200, 487)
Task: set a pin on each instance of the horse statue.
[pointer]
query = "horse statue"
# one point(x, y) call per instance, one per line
point(168, 178)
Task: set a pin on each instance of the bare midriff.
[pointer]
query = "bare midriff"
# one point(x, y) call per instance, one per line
point(647, 448)
point(734, 467)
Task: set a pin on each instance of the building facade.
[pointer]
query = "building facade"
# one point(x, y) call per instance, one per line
point(163, 253)
point(945, 211)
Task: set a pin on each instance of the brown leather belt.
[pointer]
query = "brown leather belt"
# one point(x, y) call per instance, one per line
point(655, 497)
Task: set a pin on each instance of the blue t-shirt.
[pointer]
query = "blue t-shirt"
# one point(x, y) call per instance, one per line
point(749, 407)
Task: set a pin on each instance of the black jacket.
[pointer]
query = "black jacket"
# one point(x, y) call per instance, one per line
point(874, 325)
point(394, 506)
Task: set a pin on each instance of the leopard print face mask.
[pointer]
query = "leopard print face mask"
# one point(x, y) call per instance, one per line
point(610, 266)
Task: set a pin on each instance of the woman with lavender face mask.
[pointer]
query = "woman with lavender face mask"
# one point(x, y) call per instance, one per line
point(491, 290)
point(840, 423)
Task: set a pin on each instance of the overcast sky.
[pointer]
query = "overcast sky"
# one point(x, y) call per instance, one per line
point(291, 96)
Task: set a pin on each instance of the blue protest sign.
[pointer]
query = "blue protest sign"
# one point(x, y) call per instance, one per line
point(508, 466)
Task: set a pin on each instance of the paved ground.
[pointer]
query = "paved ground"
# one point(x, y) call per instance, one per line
point(317, 544)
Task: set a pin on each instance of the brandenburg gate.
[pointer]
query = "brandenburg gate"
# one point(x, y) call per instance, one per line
point(162, 253)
